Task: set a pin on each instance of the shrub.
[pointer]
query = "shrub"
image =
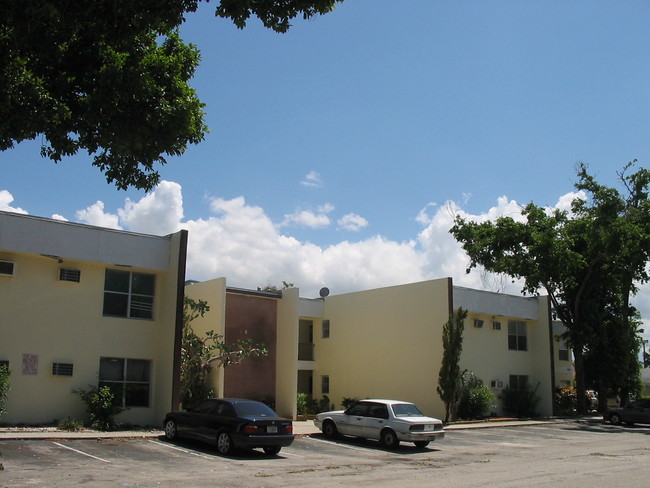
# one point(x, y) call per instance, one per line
point(101, 406)
point(520, 402)
point(70, 425)
point(4, 387)
point(301, 403)
point(348, 402)
point(565, 399)
point(476, 398)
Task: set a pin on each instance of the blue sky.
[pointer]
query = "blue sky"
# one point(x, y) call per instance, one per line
point(338, 152)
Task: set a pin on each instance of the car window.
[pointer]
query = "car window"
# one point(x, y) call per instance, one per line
point(205, 407)
point(360, 409)
point(406, 410)
point(378, 410)
point(254, 409)
point(225, 410)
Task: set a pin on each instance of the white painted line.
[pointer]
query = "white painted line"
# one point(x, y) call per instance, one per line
point(80, 452)
point(339, 445)
point(186, 451)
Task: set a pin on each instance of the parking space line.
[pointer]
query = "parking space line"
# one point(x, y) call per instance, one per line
point(80, 452)
point(340, 445)
point(186, 451)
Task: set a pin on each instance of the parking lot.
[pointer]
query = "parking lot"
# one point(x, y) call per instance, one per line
point(572, 454)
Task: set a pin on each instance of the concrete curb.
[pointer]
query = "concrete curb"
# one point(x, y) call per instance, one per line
point(300, 428)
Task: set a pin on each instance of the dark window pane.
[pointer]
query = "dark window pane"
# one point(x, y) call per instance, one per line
point(111, 369)
point(141, 307)
point(143, 284)
point(116, 304)
point(117, 280)
point(137, 370)
point(137, 395)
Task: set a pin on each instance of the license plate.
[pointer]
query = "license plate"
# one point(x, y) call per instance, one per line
point(271, 429)
point(430, 427)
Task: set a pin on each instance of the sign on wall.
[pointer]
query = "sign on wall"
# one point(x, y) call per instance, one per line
point(30, 364)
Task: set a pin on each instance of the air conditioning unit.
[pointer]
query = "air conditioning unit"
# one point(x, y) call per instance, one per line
point(498, 384)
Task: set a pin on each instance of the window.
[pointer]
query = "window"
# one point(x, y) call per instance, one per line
point(128, 294)
point(325, 385)
point(478, 323)
point(517, 337)
point(378, 411)
point(72, 275)
point(62, 369)
point(518, 382)
point(496, 325)
point(563, 351)
point(326, 329)
point(128, 379)
point(6, 268)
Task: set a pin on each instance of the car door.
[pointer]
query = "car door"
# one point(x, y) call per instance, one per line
point(375, 420)
point(353, 418)
point(638, 411)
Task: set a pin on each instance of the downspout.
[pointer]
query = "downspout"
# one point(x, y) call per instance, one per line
point(551, 342)
point(178, 329)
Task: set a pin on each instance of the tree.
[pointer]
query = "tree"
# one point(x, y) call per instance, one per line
point(450, 384)
point(111, 77)
point(586, 261)
point(199, 355)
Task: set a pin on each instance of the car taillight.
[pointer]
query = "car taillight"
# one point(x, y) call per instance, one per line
point(417, 428)
point(288, 429)
point(251, 429)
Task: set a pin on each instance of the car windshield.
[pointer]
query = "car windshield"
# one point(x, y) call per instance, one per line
point(406, 410)
point(253, 409)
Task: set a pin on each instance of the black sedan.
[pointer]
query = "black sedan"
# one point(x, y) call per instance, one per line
point(231, 423)
point(637, 411)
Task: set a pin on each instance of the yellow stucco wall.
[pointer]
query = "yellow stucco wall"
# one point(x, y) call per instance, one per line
point(384, 343)
point(59, 321)
point(214, 293)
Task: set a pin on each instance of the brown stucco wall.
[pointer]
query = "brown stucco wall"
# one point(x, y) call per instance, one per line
point(251, 317)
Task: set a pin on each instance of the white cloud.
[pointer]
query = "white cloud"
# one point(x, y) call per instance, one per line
point(59, 217)
point(308, 218)
point(95, 215)
point(312, 180)
point(5, 199)
point(158, 212)
point(352, 222)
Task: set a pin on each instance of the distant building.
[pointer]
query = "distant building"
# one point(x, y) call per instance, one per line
point(385, 342)
point(83, 305)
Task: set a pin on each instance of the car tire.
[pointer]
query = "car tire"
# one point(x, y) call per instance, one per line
point(329, 429)
point(615, 419)
point(421, 444)
point(171, 431)
point(629, 424)
point(224, 443)
point(389, 439)
point(272, 450)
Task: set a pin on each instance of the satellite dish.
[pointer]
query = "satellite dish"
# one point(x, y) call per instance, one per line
point(324, 292)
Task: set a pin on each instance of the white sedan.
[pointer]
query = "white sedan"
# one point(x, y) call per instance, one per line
point(389, 421)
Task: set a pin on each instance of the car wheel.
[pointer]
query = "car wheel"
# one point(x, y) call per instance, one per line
point(615, 419)
point(629, 424)
point(272, 451)
point(421, 444)
point(330, 430)
point(224, 443)
point(170, 430)
point(389, 439)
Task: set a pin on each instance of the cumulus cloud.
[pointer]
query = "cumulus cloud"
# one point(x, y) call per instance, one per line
point(95, 215)
point(5, 200)
point(312, 180)
point(158, 212)
point(352, 222)
point(309, 218)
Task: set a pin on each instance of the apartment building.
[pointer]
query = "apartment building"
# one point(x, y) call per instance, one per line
point(83, 305)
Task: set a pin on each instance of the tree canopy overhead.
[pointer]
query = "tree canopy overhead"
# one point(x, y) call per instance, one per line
point(111, 77)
